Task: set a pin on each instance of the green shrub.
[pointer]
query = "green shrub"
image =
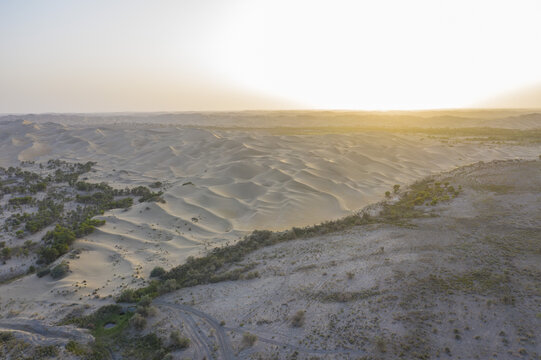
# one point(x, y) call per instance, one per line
point(6, 253)
point(60, 270)
point(157, 272)
point(88, 226)
point(128, 296)
point(168, 286)
point(57, 243)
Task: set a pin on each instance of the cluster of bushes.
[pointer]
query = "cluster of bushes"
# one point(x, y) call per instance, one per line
point(15, 220)
point(75, 223)
point(57, 243)
point(105, 314)
point(146, 195)
point(145, 347)
point(427, 192)
point(23, 200)
point(48, 212)
point(87, 226)
point(6, 253)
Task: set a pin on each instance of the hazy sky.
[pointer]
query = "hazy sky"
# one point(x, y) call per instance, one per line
point(85, 56)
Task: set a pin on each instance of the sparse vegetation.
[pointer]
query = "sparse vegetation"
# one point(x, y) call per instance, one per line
point(62, 185)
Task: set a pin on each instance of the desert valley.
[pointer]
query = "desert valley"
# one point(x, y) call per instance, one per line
point(195, 235)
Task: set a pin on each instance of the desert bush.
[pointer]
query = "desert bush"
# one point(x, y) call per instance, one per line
point(168, 286)
point(380, 344)
point(145, 301)
point(87, 227)
point(177, 341)
point(24, 200)
point(46, 352)
point(43, 271)
point(60, 270)
point(6, 336)
point(248, 339)
point(157, 272)
point(138, 322)
point(297, 320)
point(75, 348)
point(156, 185)
point(6, 253)
point(146, 311)
point(128, 295)
point(251, 275)
point(57, 243)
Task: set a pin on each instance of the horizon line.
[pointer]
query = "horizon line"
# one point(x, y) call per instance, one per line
point(273, 110)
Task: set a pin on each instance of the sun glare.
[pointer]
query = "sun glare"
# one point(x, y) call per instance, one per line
point(381, 55)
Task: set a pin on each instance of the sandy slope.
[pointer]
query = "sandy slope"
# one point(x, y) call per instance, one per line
point(220, 185)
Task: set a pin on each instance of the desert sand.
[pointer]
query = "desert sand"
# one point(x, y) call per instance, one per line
point(221, 183)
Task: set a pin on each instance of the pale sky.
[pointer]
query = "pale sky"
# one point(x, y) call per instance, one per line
point(105, 56)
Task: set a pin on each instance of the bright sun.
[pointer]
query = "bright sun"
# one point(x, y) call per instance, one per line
point(167, 55)
point(381, 54)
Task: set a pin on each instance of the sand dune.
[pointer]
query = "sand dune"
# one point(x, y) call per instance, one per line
point(220, 184)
